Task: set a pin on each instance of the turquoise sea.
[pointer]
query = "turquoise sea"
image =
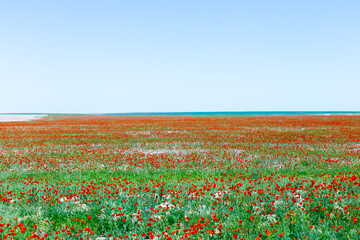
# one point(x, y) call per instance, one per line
point(253, 113)
point(259, 113)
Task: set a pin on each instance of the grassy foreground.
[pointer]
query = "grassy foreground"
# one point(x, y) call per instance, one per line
point(97, 177)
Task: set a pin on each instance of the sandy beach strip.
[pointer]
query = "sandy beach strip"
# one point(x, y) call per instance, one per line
point(19, 117)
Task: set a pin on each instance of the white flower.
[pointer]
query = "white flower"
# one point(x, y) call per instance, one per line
point(165, 205)
point(217, 195)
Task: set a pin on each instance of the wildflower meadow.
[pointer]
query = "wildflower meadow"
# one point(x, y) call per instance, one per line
point(180, 177)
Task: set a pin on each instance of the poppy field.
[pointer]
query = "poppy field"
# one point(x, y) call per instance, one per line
point(180, 177)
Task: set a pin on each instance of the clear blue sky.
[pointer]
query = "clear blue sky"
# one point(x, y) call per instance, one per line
point(189, 55)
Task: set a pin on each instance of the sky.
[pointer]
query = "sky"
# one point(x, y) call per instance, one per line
point(85, 56)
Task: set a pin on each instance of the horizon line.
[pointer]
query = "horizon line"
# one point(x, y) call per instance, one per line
point(252, 112)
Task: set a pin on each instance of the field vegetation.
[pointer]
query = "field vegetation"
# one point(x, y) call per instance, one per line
point(225, 177)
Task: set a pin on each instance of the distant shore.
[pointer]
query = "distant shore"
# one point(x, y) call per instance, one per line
point(206, 113)
point(20, 117)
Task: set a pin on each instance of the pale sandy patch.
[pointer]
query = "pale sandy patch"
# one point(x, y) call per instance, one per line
point(19, 117)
